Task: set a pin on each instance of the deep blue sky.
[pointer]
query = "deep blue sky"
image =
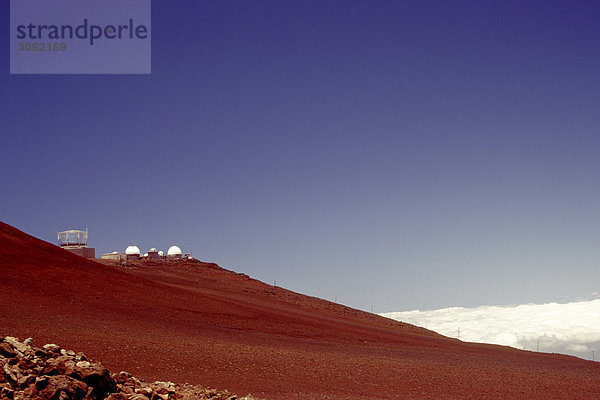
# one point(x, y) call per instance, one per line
point(401, 154)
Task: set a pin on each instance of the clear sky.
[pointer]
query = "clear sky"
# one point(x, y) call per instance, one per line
point(400, 154)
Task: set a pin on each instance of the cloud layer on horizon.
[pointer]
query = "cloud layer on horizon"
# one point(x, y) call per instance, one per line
point(570, 328)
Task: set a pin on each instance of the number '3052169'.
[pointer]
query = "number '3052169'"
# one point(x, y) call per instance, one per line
point(42, 46)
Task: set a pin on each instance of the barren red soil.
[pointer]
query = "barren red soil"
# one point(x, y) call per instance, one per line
point(198, 323)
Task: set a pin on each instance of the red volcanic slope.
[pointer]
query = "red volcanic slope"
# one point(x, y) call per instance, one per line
point(198, 323)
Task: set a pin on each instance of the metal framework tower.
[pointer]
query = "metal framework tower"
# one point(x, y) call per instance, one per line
point(75, 241)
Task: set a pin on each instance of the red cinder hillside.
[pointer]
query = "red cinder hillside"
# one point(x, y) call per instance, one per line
point(199, 323)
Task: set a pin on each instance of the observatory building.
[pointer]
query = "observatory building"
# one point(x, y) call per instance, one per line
point(75, 241)
point(174, 252)
point(115, 255)
point(152, 254)
point(132, 253)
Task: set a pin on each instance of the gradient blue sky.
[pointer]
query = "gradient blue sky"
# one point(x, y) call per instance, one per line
point(402, 154)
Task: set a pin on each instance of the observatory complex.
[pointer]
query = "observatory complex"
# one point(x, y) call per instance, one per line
point(134, 253)
point(75, 241)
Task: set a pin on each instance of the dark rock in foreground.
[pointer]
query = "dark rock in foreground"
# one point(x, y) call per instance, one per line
point(52, 373)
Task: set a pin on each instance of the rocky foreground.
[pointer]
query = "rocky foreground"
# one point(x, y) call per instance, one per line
point(28, 372)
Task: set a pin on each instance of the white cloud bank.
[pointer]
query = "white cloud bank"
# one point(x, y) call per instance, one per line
point(571, 328)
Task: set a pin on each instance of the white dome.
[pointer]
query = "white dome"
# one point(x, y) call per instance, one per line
point(161, 253)
point(145, 254)
point(174, 251)
point(152, 250)
point(132, 250)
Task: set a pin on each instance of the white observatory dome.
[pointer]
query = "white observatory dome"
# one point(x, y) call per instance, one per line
point(131, 250)
point(161, 253)
point(152, 250)
point(174, 251)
